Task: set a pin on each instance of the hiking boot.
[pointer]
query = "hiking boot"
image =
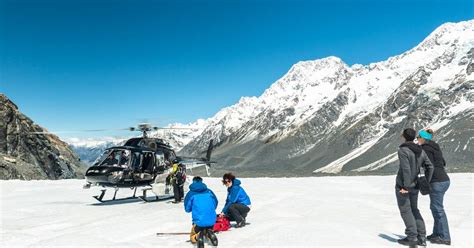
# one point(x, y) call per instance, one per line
point(240, 224)
point(408, 242)
point(212, 237)
point(200, 240)
point(438, 240)
point(432, 236)
point(176, 202)
point(421, 241)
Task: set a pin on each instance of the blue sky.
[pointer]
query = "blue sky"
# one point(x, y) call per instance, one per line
point(81, 64)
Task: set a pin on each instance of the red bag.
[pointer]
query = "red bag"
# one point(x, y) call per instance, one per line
point(222, 224)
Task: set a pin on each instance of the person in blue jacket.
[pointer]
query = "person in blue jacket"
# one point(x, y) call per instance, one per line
point(237, 204)
point(202, 202)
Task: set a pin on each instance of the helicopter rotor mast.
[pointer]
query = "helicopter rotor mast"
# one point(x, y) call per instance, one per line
point(144, 128)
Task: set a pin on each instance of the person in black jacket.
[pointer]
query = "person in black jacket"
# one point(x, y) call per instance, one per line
point(411, 158)
point(439, 185)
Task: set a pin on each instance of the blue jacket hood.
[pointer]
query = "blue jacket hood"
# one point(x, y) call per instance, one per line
point(198, 187)
point(236, 182)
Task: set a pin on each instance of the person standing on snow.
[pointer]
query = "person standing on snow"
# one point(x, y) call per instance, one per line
point(439, 185)
point(202, 202)
point(411, 158)
point(237, 204)
point(178, 178)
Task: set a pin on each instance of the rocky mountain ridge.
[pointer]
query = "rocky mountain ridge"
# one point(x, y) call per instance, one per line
point(27, 155)
point(324, 116)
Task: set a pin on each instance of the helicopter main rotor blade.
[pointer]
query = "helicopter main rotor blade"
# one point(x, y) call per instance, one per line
point(79, 131)
point(177, 128)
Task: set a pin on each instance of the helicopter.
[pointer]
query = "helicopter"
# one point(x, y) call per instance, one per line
point(140, 162)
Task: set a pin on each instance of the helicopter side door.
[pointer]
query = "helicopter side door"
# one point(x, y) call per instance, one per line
point(142, 166)
point(137, 160)
point(148, 162)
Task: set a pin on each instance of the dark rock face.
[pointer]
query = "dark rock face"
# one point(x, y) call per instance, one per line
point(24, 155)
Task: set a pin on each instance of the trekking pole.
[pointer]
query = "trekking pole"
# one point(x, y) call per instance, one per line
point(172, 233)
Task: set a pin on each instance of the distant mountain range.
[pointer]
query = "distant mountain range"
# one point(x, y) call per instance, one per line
point(326, 117)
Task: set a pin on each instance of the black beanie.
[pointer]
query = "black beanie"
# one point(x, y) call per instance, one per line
point(409, 134)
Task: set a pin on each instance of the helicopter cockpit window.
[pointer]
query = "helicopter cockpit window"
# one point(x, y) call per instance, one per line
point(149, 143)
point(112, 158)
point(142, 143)
point(115, 158)
point(102, 157)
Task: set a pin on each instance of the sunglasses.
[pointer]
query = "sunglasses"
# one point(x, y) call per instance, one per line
point(225, 181)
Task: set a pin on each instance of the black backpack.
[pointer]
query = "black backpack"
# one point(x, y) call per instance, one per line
point(421, 181)
point(180, 174)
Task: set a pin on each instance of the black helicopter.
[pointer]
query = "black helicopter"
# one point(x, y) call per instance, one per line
point(139, 162)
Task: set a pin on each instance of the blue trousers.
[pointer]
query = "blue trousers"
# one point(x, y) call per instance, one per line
point(440, 227)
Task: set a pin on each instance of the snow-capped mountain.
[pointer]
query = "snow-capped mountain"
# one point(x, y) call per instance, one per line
point(90, 149)
point(182, 134)
point(325, 116)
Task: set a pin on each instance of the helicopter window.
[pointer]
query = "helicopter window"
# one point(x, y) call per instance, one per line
point(160, 158)
point(160, 161)
point(115, 158)
point(102, 157)
point(137, 160)
point(172, 156)
point(148, 162)
point(112, 158)
point(124, 158)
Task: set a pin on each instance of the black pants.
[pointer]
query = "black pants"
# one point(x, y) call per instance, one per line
point(237, 212)
point(408, 205)
point(178, 191)
point(201, 228)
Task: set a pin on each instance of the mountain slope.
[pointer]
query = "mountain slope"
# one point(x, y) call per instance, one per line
point(327, 117)
point(32, 156)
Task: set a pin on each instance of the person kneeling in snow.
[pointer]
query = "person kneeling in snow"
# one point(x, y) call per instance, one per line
point(202, 202)
point(237, 204)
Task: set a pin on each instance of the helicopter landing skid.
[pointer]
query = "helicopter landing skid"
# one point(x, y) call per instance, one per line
point(157, 198)
point(102, 194)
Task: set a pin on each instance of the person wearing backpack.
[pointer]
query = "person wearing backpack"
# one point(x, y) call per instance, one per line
point(411, 158)
point(237, 204)
point(439, 185)
point(178, 178)
point(202, 202)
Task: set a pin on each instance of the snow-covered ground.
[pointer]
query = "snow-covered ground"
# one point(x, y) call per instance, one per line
point(286, 212)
